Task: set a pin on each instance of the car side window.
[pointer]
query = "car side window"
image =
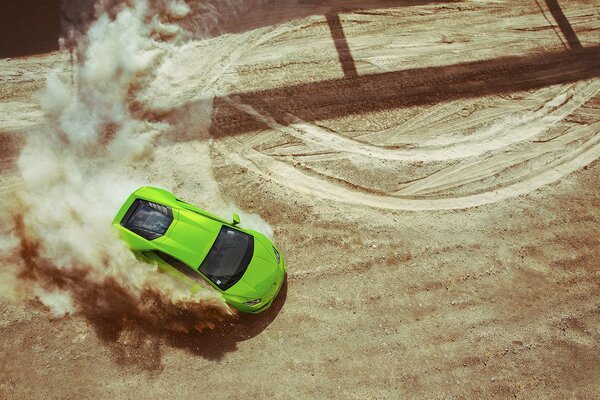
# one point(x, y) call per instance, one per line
point(179, 266)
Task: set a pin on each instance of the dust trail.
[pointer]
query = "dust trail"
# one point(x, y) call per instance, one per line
point(175, 158)
point(56, 233)
point(58, 302)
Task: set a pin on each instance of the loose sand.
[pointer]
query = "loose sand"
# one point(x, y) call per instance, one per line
point(430, 172)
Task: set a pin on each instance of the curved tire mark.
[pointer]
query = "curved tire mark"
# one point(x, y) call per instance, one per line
point(287, 175)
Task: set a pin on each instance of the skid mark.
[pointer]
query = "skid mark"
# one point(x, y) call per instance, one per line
point(176, 83)
point(481, 154)
point(434, 113)
point(462, 174)
point(505, 132)
point(288, 176)
point(581, 144)
point(430, 123)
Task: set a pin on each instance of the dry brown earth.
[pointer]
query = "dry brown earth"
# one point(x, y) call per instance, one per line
point(430, 171)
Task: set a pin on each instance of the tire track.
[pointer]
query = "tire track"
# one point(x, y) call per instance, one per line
point(457, 122)
point(462, 174)
point(503, 133)
point(502, 142)
point(323, 145)
point(290, 177)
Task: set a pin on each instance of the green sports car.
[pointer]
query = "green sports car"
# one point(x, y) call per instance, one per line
point(189, 243)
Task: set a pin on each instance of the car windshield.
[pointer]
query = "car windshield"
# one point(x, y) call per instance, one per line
point(228, 258)
point(149, 220)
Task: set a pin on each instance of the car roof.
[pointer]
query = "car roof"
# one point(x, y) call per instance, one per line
point(190, 238)
point(192, 231)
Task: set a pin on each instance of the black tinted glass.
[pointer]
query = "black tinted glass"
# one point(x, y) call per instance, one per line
point(179, 266)
point(149, 220)
point(228, 258)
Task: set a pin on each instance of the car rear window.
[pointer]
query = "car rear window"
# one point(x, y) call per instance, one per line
point(147, 219)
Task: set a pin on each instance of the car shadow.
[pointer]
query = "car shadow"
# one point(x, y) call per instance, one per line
point(137, 340)
point(136, 328)
point(215, 343)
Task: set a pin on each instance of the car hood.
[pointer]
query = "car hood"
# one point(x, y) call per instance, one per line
point(262, 273)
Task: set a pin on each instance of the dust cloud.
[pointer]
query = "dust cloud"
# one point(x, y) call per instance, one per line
point(58, 246)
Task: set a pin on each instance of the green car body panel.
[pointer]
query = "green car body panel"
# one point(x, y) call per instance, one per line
point(189, 238)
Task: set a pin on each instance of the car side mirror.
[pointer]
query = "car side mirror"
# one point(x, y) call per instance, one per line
point(236, 219)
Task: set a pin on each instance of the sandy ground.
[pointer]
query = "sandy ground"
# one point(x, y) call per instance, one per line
point(430, 171)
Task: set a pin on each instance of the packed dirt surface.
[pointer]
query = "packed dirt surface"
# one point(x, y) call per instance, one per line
point(430, 171)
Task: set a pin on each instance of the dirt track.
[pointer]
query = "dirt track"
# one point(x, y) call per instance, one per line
point(430, 171)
